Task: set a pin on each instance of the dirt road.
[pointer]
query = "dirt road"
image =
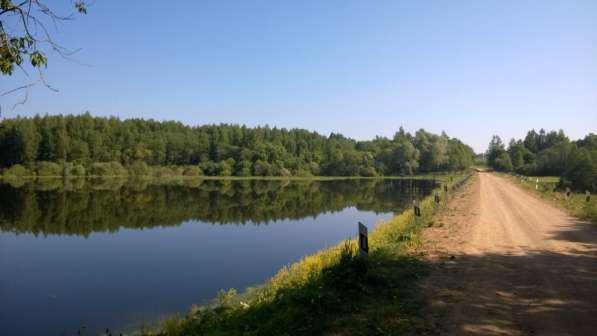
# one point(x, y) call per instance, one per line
point(508, 263)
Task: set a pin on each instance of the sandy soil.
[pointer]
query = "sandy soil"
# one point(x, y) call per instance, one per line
point(507, 263)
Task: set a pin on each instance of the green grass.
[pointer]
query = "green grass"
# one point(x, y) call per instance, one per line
point(332, 292)
point(576, 204)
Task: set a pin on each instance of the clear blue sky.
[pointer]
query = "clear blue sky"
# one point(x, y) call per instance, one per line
point(362, 68)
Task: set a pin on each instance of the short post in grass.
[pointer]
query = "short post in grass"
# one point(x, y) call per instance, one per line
point(416, 208)
point(437, 198)
point(537, 184)
point(567, 193)
point(363, 241)
point(588, 196)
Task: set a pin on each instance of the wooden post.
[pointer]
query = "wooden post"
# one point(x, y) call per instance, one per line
point(437, 199)
point(567, 193)
point(416, 209)
point(363, 241)
point(588, 195)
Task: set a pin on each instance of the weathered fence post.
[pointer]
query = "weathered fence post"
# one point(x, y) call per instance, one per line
point(363, 241)
point(416, 209)
point(588, 194)
point(537, 184)
point(437, 198)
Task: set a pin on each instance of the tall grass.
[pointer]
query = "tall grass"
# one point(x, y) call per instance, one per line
point(332, 291)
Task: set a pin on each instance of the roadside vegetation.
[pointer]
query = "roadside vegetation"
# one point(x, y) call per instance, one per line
point(547, 188)
point(84, 145)
point(549, 154)
point(333, 291)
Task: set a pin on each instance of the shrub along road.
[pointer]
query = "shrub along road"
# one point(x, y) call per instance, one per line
point(507, 263)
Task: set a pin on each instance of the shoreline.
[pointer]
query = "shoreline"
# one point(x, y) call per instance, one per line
point(281, 297)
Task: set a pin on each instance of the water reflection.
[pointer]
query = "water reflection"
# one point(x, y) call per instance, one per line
point(80, 207)
point(118, 253)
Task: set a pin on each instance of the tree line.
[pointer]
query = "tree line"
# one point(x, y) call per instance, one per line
point(548, 154)
point(81, 145)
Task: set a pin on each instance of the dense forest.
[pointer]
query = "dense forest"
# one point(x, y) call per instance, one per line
point(80, 145)
point(83, 206)
point(548, 154)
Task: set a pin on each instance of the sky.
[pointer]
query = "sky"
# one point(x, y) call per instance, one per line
point(360, 68)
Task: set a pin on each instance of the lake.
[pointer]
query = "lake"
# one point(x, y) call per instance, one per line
point(120, 253)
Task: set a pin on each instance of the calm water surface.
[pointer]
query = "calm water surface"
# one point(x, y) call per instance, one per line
point(118, 254)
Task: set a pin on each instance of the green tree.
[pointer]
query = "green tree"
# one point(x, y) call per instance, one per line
point(45, 168)
point(503, 162)
point(17, 171)
point(25, 40)
point(581, 172)
point(495, 151)
point(139, 168)
point(262, 168)
point(550, 153)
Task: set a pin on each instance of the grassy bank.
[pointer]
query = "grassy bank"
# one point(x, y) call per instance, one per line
point(331, 292)
point(544, 187)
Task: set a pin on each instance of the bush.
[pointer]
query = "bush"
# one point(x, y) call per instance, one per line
point(192, 171)
point(581, 173)
point(244, 171)
point(75, 170)
point(284, 172)
point(17, 171)
point(177, 170)
point(304, 172)
point(164, 172)
point(262, 168)
point(503, 162)
point(209, 168)
point(243, 168)
point(139, 168)
point(225, 167)
point(108, 169)
point(314, 168)
point(45, 168)
point(99, 169)
point(367, 172)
